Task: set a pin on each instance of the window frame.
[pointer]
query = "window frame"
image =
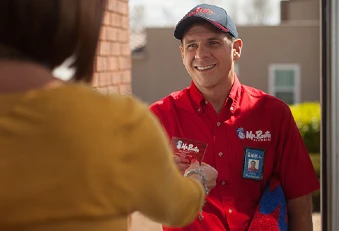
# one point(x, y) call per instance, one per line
point(272, 89)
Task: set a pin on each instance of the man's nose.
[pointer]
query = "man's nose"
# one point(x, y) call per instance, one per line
point(201, 53)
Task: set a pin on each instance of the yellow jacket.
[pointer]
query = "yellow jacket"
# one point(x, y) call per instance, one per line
point(74, 159)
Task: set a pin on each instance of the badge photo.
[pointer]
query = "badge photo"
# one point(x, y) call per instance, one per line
point(253, 163)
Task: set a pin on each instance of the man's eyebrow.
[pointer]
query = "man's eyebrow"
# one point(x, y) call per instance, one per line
point(191, 41)
point(214, 38)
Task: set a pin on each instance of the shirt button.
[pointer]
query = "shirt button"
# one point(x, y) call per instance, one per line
point(218, 124)
point(221, 154)
point(232, 108)
point(223, 183)
point(230, 210)
point(198, 109)
point(206, 102)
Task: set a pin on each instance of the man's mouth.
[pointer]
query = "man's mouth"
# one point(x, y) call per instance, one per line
point(203, 68)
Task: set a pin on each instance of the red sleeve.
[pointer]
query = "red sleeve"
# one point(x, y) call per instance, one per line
point(294, 167)
point(155, 109)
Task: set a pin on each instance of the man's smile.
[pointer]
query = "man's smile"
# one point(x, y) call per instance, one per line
point(203, 68)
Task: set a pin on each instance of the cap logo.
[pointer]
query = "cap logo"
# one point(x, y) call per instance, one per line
point(199, 10)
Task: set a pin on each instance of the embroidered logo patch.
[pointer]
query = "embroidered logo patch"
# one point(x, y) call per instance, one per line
point(257, 136)
point(241, 133)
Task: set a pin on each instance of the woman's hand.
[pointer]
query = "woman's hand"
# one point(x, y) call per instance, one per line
point(210, 173)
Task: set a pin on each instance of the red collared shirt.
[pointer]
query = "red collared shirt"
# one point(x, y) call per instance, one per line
point(249, 120)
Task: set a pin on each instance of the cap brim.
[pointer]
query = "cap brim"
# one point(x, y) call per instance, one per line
point(184, 24)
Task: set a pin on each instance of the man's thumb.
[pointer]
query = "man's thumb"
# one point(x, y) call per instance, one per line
point(195, 162)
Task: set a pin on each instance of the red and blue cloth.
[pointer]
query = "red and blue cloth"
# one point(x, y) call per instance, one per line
point(271, 213)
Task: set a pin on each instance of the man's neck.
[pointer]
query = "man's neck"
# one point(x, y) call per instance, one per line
point(217, 100)
point(218, 94)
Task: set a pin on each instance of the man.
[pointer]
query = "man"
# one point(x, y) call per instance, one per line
point(237, 123)
point(253, 166)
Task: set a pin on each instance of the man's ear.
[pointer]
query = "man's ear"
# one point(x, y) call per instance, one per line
point(237, 46)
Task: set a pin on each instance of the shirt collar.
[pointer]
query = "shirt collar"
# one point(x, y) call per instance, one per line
point(235, 94)
point(198, 100)
point(196, 96)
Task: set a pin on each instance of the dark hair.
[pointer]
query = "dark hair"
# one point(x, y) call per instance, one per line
point(230, 37)
point(50, 31)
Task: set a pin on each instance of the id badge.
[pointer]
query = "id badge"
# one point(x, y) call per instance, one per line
point(253, 163)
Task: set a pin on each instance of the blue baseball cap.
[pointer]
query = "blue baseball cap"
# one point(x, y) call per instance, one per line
point(215, 15)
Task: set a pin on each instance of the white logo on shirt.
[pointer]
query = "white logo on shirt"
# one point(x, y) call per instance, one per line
point(258, 136)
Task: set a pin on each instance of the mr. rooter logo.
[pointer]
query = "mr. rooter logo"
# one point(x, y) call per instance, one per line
point(186, 146)
point(187, 149)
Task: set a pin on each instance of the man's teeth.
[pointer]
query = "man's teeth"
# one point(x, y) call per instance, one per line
point(205, 68)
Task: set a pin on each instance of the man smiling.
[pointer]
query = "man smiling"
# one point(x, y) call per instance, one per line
point(239, 124)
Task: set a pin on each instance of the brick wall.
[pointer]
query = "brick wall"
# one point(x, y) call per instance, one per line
point(113, 61)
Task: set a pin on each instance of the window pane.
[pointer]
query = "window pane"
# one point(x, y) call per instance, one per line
point(284, 78)
point(287, 97)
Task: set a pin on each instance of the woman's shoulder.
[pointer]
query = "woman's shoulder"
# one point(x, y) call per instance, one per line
point(76, 100)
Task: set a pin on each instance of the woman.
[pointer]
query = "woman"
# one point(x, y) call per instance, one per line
point(71, 158)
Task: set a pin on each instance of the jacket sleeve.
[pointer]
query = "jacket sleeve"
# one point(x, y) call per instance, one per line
point(157, 189)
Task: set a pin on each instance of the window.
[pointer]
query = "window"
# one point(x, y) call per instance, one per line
point(284, 82)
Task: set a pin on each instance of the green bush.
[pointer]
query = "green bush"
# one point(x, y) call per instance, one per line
point(315, 157)
point(316, 201)
point(307, 118)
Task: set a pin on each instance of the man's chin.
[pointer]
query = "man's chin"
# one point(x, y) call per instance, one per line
point(207, 85)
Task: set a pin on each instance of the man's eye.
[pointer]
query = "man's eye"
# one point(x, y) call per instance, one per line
point(213, 42)
point(190, 45)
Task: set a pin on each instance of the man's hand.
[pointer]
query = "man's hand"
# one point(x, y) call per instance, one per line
point(181, 163)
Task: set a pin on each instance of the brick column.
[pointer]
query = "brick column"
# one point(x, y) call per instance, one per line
point(113, 61)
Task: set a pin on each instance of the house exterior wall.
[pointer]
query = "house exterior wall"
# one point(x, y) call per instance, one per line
point(113, 61)
point(282, 45)
point(300, 10)
point(159, 70)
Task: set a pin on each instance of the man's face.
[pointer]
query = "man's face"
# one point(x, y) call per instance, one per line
point(209, 55)
point(253, 164)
